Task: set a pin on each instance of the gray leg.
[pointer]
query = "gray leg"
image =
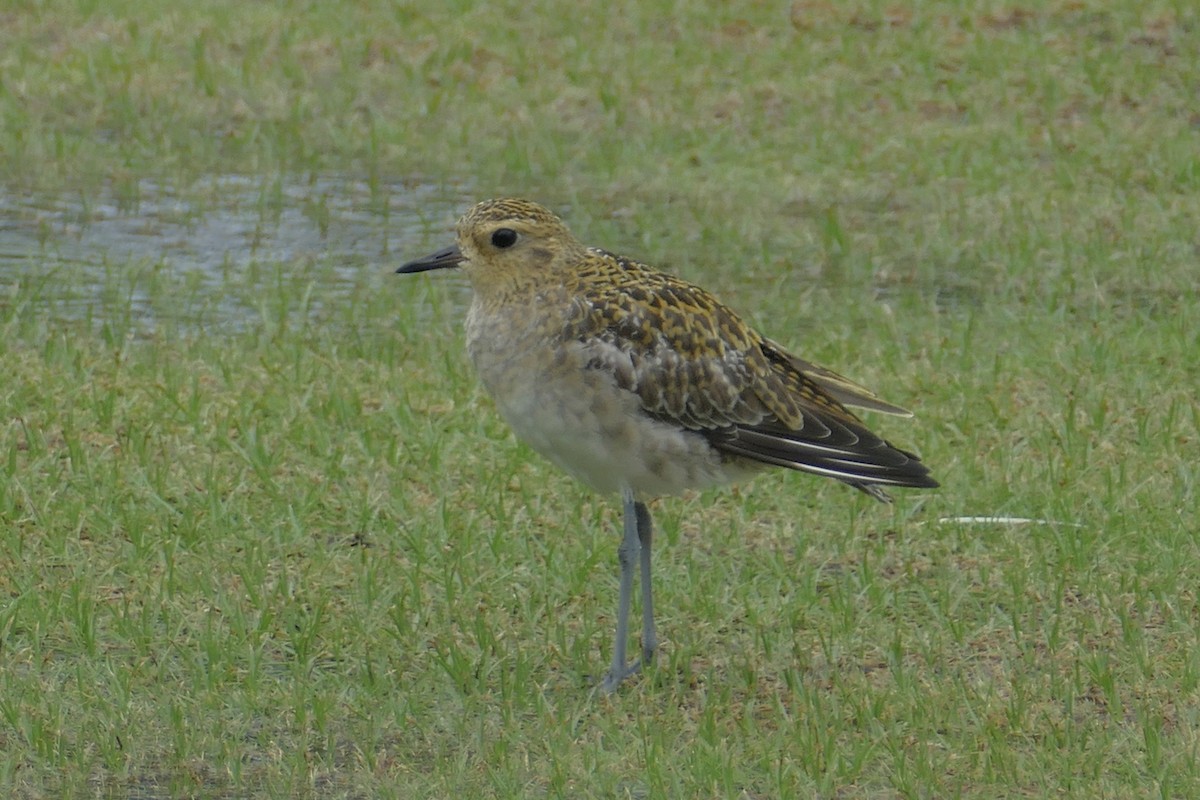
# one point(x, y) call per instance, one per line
point(645, 536)
point(627, 554)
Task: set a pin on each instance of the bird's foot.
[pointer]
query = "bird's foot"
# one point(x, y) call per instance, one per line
point(613, 678)
point(616, 674)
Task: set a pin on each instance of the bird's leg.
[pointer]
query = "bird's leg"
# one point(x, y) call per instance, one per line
point(645, 528)
point(627, 555)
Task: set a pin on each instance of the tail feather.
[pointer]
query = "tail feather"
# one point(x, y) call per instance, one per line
point(854, 456)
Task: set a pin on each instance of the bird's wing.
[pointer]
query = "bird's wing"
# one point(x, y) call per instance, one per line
point(844, 390)
point(693, 362)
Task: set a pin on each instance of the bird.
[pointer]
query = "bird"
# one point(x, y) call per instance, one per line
point(641, 384)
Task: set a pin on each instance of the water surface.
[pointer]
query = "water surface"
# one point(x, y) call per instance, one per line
point(97, 255)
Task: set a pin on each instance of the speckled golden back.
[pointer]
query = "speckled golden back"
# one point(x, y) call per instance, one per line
point(692, 359)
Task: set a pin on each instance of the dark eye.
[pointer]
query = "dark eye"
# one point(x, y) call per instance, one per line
point(504, 238)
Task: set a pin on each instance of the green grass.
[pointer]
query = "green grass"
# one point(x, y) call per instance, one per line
point(301, 556)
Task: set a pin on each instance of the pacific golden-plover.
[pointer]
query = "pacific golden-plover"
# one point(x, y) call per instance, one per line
point(639, 383)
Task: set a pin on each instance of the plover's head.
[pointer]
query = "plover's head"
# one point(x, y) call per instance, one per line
point(505, 242)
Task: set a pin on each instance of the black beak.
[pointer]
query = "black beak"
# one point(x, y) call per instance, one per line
point(442, 259)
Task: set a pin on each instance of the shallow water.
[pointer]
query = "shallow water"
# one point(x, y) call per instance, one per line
point(70, 247)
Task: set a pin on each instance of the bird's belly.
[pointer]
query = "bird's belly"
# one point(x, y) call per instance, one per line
point(579, 419)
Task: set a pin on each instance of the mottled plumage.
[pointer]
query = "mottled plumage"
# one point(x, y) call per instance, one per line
point(638, 382)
